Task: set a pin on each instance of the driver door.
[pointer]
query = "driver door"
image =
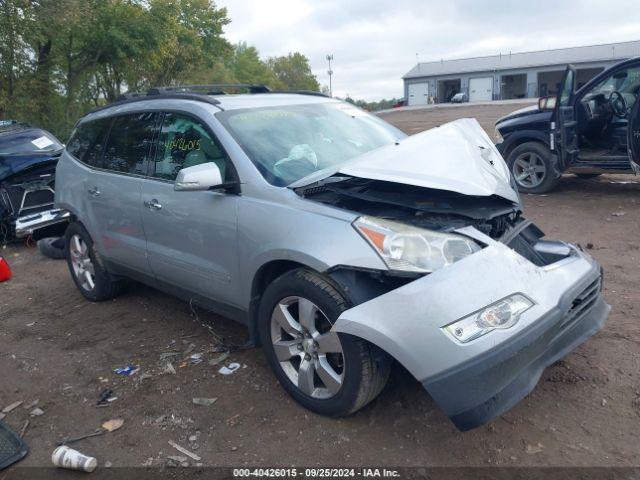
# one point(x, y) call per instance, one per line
point(633, 135)
point(566, 126)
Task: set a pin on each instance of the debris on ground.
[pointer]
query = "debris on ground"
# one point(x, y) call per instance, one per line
point(229, 369)
point(113, 425)
point(24, 428)
point(533, 449)
point(618, 214)
point(36, 412)
point(177, 458)
point(604, 402)
point(205, 402)
point(215, 361)
point(169, 368)
point(31, 405)
point(128, 370)
point(166, 355)
point(196, 358)
point(105, 397)
point(66, 457)
point(12, 406)
point(189, 454)
point(68, 440)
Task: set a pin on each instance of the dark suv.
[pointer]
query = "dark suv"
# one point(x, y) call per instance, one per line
point(587, 131)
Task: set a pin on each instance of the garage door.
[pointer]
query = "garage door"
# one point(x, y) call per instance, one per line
point(481, 89)
point(418, 93)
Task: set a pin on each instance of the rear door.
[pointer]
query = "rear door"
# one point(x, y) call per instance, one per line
point(633, 133)
point(114, 191)
point(566, 126)
point(191, 236)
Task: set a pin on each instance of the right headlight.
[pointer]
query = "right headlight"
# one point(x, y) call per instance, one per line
point(411, 249)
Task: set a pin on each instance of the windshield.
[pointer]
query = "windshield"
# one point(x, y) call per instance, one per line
point(22, 142)
point(287, 143)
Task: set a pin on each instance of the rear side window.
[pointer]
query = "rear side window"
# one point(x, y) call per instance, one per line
point(183, 143)
point(129, 141)
point(87, 141)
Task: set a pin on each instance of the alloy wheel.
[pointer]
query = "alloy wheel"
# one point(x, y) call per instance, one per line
point(81, 263)
point(529, 169)
point(309, 353)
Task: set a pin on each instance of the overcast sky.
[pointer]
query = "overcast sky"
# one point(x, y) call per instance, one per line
point(375, 42)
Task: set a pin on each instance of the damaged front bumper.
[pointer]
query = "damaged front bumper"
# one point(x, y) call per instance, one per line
point(475, 382)
point(49, 220)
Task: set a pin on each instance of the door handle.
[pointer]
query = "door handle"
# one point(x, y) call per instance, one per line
point(94, 192)
point(153, 205)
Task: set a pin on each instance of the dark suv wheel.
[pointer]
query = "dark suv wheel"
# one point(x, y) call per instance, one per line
point(532, 168)
point(86, 268)
point(328, 373)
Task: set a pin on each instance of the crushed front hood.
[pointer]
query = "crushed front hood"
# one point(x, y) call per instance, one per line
point(457, 157)
point(13, 164)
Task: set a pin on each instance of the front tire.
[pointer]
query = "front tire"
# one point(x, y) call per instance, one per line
point(86, 267)
point(328, 373)
point(52, 247)
point(532, 167)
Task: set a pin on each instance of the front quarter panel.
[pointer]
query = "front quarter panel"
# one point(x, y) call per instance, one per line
point(282, 229)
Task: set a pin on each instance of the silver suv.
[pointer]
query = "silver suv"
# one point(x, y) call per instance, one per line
point(340, 242)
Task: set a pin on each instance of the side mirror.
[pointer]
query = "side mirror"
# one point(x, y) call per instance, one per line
point(547, 103)
point(199, 177)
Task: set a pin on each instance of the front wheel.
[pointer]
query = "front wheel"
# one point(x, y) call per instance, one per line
point(328, 373)
point(532, 168)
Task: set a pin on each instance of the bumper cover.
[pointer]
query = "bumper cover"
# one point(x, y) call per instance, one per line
point(492, 384)
point(28, 224)
point(475, 382)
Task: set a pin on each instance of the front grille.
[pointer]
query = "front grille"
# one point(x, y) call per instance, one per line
point(38, 198)
point(582, 303)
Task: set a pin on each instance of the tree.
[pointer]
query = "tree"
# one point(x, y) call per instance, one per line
point(247, 67)
point(293, 72)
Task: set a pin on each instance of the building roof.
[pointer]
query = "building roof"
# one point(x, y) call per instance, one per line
point(509, 61)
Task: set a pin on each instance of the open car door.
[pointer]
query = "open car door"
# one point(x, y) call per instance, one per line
point(633, 133)
point(566, 128)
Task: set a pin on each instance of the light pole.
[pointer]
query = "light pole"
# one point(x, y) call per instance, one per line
point(330, 72)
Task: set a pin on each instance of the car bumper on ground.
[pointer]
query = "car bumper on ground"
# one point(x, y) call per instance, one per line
point(28, 224)
point(475, 382)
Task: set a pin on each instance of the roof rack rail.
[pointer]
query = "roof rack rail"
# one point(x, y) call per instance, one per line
point(209, 89)
point(302, 92)
point(200, 93)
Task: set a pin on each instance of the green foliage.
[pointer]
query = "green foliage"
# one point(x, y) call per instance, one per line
point(294, 72)
point(60, 58)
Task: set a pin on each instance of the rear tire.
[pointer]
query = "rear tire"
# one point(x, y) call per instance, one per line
point(532, 167)
point(86, 267)
point(358, 369)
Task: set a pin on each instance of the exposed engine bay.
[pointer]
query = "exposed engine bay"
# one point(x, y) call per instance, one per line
point(28, 192)
point(438, 210)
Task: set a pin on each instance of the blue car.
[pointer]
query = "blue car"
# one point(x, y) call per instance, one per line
point(28, 158)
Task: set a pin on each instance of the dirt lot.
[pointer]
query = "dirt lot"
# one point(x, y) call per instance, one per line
point(60, 349)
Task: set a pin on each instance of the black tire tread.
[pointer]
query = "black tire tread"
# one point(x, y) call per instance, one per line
point(550, 182)
point(375, 371)
point(107, 287)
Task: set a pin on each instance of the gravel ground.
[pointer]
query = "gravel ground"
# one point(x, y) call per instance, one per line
point(59, 349)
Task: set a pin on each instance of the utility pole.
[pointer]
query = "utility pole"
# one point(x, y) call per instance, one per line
point(330, 72)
